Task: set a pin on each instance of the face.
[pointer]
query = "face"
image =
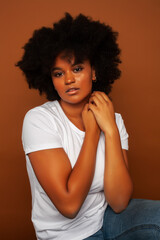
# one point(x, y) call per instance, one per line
point(72, 81)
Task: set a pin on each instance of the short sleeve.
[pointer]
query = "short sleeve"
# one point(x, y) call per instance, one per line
point(39, 132)
point(122, 131)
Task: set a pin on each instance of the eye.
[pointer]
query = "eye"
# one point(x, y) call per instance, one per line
point(57, 74)
point(77, 69)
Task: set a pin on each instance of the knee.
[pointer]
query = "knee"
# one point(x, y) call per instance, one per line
point(147, 211)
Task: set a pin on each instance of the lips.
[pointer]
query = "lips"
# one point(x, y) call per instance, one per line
point(72, 90)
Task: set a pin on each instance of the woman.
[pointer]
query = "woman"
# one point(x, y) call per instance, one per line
point(75, 144)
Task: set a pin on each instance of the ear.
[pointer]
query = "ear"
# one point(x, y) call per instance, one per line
point(93, 73)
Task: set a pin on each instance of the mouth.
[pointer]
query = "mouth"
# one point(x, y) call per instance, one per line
point(72, 90)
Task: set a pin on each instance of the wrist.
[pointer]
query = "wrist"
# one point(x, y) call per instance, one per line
point(111, 132)
point(93, 135)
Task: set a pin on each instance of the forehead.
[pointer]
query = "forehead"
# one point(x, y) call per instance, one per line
point(66, 57)
point(71, 57)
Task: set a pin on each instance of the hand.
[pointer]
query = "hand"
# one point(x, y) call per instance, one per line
point(89, 120)
point(103, 110)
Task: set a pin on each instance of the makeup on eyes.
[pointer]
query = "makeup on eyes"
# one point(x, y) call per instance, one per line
point(58, 72)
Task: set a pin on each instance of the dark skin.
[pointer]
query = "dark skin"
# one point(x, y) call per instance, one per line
point(66, 187)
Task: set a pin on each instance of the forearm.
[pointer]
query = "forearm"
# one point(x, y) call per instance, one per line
point(81, 176)
point(117, 181)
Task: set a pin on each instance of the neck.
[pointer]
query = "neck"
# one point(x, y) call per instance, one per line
point(73, 110)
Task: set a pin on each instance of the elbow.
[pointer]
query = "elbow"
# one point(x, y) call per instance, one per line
point(120, 206)
point(119, 209)
point(68, 206)
point(69, 211)
point(70, 214)
point(122, 201)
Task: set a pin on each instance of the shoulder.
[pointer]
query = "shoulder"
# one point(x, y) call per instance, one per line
point(121, 126)
point(122, 131)
point(44, 112)
point(39, 129)
point(46, 108)
point(119, 120)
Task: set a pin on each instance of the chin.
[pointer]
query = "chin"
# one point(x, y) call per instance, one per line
point(75, 101)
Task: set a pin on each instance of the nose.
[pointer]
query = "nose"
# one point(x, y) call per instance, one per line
point(69, 78)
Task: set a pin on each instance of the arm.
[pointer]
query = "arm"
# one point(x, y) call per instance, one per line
point(117, 182)
point(66, 187)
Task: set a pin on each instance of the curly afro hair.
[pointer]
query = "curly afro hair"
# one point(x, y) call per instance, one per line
point(81, 36)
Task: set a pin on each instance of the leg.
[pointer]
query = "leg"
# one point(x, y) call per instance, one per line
point(139, 221)
point(97, 236)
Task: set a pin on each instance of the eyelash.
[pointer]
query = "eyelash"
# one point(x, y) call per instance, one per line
point(78, 68)
point(57, 74)
point(75, 70)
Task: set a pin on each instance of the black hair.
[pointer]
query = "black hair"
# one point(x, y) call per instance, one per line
point(81, 36)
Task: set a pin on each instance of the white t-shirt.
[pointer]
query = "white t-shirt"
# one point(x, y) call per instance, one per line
point(47, 127)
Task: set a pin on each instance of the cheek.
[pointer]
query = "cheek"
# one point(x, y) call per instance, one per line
point(87, 83)
point(57, 85)
point(85, 80)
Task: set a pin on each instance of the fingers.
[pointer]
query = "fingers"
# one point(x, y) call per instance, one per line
point(86, 108)
point(96, 100)
point(100, 102)
point(93, 108)
point(101, 96)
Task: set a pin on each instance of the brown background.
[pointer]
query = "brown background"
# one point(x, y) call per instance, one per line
point(135, 95)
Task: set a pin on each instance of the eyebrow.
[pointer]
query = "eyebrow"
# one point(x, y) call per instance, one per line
point(55, 68)
point(58, 68)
